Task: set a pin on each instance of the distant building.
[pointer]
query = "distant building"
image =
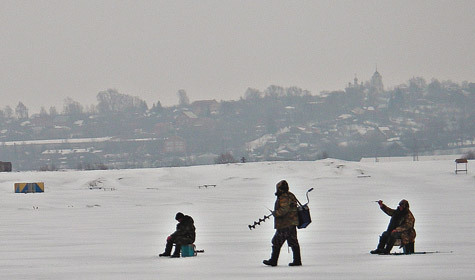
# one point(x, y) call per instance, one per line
point(174, 145)
point(5, 166)
point(355, 84)
point(186, 118)
point(377, 83)
point(375, 89)
point(205, 107)
point(163, 128)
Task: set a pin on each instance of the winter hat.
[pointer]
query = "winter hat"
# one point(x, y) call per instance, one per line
point(179, 216)
point(404, 203)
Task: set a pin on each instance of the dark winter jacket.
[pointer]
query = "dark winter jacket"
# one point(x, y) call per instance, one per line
point(185, 231)
point(401, 221)
point(285, 211)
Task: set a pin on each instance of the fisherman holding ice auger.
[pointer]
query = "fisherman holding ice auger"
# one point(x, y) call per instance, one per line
point(285, 222)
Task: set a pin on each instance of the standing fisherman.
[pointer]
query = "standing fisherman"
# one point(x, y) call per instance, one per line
point(285, 223)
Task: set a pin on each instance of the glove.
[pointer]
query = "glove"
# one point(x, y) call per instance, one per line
point(169, 238)
point(380, 202)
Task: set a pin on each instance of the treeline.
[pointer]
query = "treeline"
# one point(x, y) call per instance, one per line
point(110, 101)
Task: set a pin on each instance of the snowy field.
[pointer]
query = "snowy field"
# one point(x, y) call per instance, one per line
point(112, 224)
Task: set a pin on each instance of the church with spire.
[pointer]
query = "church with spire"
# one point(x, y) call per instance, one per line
point(376, 83)
point(372, 90)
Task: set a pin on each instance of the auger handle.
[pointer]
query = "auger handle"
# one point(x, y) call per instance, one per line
point(311, 189)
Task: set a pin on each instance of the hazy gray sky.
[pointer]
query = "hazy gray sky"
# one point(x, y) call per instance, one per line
point(51, 50)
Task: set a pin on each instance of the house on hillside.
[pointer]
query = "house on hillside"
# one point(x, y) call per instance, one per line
point(205, 107)
point(5, 166)
point(174, 145)
point(162, 128)
point(42, 121)
point(375, 134)
point(186, 118)
point(61, 120)
point(206, 124)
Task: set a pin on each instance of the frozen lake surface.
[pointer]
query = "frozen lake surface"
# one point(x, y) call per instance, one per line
point(112, 224)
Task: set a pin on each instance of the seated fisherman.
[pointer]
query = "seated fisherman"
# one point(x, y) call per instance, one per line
point(184, 234)
point(401, 226)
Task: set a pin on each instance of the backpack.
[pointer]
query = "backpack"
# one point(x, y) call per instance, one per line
point(303, 212)
point(304, 215)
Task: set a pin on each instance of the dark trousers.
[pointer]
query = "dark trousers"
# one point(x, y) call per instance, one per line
point(178, 241)
point(287, 234)
point(281, 235)
point(182, 240)
point(387, 240)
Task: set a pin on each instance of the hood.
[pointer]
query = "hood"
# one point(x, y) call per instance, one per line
point(404, 203)
point(281, 188)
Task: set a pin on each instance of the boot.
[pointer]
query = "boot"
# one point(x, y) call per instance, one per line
point(297, 259)
point(376, 251)
point(168, 250)
point(176, 254)
point(274, 257)
point(381, 244)
point(409, 248)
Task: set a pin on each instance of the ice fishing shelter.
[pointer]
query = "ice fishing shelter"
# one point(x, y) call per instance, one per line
point(29, 187)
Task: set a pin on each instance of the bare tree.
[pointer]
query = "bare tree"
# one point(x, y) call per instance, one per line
point(43, 112)
point(21, 111)
point(183, 99)
point(52, 111)
point(112, 101)
point(72, 107)
point(252, 93)
point(8, 112)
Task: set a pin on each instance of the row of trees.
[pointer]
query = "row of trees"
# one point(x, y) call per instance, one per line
point(110, 101)
point(20, 112)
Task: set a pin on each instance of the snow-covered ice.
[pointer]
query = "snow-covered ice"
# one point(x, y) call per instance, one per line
point(112, 224)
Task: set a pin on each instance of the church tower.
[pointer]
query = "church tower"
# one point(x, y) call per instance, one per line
point(376, 89)
point(377, 83)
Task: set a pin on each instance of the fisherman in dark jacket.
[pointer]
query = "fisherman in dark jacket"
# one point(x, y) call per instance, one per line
point(184, 234)
point(401, 226)
point(285, 222)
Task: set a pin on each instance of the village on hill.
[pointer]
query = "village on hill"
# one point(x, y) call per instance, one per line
point(364, 120)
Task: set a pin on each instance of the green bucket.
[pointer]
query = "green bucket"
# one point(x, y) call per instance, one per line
point(188, 250)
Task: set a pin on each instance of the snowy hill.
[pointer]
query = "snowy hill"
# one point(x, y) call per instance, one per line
point(112, 224)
